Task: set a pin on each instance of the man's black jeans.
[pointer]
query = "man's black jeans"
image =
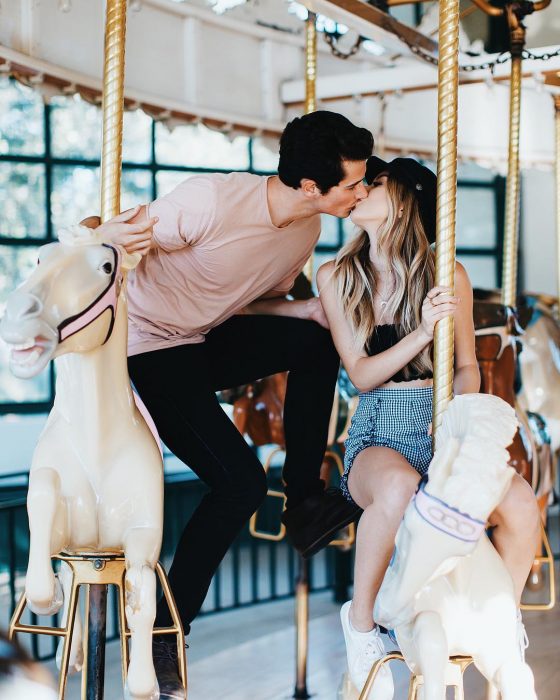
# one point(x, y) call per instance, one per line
point(178, 386)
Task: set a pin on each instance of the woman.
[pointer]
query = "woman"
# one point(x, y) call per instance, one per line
point(382, 306)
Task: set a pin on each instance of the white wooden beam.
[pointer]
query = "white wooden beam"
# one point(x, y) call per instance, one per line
point(406, 75)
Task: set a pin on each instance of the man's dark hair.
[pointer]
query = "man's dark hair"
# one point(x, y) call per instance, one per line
point(314, 146)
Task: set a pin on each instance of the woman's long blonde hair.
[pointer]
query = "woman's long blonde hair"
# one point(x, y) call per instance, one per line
point(404, 243)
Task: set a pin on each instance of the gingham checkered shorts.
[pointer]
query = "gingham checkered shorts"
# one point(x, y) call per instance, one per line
point(395, 418)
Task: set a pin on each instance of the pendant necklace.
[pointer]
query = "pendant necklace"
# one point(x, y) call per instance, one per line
point(383, 302)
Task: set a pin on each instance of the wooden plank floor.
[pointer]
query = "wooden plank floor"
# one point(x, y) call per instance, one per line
point(248, 654)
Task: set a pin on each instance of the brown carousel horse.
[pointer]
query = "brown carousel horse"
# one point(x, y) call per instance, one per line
point(499, 332)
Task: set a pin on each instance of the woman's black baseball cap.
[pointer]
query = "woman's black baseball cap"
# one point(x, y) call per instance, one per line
point(419, 179)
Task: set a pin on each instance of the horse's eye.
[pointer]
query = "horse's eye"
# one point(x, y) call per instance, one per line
point(107, 267)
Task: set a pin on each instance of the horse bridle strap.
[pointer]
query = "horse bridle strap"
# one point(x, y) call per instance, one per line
point(447, 519)
point(106, 300)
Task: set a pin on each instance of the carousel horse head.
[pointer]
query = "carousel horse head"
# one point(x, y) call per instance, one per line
point(468, 477)
point(69, 302)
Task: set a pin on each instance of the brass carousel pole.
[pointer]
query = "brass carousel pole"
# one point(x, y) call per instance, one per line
point(310, 91)
point(113, 106)
point(113, 90)
point(448, 81)
point(302, 583)
point(511, 232)
point(310, 63)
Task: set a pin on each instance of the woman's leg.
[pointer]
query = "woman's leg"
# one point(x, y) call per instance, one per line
point(516, 533)
point(381, 482)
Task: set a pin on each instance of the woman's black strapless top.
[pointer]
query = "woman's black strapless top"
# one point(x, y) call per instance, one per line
point(383, 338)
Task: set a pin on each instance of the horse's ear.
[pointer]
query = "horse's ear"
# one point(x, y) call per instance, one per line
point(130, 260)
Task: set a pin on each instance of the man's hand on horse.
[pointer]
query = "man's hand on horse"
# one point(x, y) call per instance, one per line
point(132, 229)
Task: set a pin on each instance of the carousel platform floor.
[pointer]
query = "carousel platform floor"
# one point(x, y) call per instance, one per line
point(248, 654)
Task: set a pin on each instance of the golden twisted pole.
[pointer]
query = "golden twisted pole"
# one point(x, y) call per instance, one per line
point(448, 81)
point(557, 170)
point(113, 106)
point(310, 91)
point(310, 63)
point(511, 233)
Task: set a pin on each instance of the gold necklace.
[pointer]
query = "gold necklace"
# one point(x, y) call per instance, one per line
point(383, 302)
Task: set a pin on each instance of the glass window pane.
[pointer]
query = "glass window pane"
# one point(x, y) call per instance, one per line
point(22, 200)
point(137, 137)
point(265, 154)
point(481, 270)
point(472, 171)
point(75, 128)
point(75, 194)
point(21, 119)
point(16, 264)
point(136, 188)
point(199, 147)
point(167, 180)
point(476, 217)
point(329, 230)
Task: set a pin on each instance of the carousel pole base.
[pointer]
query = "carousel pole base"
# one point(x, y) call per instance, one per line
point(97, 571)
point(302, 629)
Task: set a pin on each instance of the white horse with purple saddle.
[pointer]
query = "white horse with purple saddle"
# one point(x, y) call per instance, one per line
point(96, 479)
point(447, 591)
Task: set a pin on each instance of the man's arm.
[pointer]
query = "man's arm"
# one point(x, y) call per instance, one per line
point(310, 309)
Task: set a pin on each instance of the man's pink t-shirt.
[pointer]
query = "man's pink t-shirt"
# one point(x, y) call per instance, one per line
point(217, 251)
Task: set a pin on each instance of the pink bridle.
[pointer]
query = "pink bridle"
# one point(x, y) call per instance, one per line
point(447, 519)
point(106, 300)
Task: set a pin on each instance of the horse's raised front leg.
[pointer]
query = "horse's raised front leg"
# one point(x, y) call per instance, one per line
point(432, 654)
point(47, 530)
point(141, 548)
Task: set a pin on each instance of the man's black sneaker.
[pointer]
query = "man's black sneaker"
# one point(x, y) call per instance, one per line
point(166, 664)
point(313, 523)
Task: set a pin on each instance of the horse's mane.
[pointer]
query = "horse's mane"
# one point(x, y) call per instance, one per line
point(80, 236)
point(470, 469)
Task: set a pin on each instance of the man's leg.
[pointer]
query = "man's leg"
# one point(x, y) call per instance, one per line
point(173, 383)
point(246, 348)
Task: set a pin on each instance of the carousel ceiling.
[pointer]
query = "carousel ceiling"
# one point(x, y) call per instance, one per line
point(239, 67)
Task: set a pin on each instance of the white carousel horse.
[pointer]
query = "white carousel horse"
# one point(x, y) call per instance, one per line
point(540, 367)
point(96, 479)
point(447, 591)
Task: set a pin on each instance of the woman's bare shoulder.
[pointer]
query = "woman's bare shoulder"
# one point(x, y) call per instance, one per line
point(325, 274)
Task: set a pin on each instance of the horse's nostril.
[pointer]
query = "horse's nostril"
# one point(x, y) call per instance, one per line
point(22, 306)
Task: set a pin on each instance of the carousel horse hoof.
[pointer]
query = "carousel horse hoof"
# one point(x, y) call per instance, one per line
point(166, 664)
point(132, 694)
point(41, 607)
point(313, 523)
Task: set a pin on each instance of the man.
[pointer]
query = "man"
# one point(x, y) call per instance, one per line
point(208, 311)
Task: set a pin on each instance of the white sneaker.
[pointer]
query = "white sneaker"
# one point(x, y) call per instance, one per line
point(363, 649)
point(522, 638)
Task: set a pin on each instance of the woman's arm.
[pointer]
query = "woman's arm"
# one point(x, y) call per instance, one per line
point(366, 372)
point(467, 374)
